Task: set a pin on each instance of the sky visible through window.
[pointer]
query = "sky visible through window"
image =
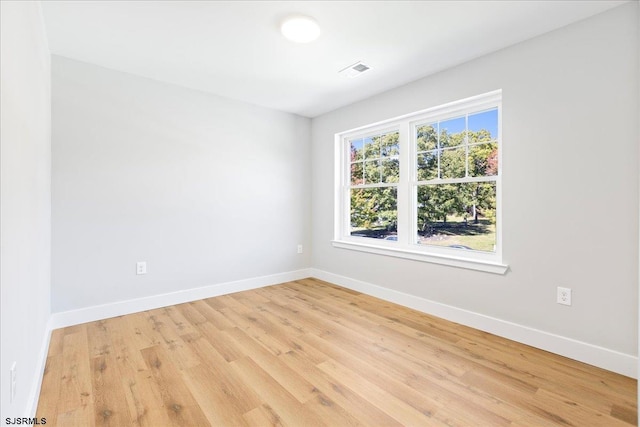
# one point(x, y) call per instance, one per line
point(487, 120)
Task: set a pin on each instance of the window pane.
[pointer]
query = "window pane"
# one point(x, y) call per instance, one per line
point(372, 172)
point(357, 146)
point(460, 216)
point(427, 137)
point(356, 174)
point(452, 132)
point(483, 159)
point(452, 163)
point(372, 147)
point(390, 170)
point(389, 144)
point(483, 126)
point(374, 212)
point(427, 166)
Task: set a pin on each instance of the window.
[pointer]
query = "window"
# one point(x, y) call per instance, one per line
point(425, 186)
point(374, 176)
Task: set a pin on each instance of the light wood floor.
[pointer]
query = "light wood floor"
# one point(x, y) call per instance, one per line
point(310, 353)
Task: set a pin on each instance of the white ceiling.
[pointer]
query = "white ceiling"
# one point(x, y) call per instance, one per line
point(234, 48)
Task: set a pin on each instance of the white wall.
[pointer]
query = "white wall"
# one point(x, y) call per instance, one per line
point(25, 212)
point(570, 199)
point(204, 189)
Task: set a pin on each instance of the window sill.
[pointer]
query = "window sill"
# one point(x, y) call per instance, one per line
point(460, 262)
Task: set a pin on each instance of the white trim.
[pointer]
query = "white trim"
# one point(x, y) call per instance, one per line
point(470, 179)
point(104, 311)
point(378, 185)
point(41, 363)
point(611, 360)
point(432, 113)
point(417, 255)
point(407, 186)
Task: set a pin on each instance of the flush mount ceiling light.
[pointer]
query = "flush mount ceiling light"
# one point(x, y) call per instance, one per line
point(300, 29)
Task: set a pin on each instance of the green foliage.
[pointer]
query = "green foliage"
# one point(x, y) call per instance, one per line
point(440, 154)
point(372, 172)
point(374, 160)
point(453, 163)
point(374, 207)
point(427, 138)
point(438, 202)
point(427, 166)
point(483, 159)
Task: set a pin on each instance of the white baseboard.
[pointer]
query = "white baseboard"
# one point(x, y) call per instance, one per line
point(34, 393)
point(104, 311)
point(611, 360)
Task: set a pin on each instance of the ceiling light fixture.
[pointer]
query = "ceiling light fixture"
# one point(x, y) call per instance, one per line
point(300, 29)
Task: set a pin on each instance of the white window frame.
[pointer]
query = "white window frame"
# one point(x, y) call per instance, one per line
point(404, 247)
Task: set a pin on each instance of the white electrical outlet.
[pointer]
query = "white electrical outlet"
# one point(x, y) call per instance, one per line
point(564, 296)
point(141, 267)
point(299, 249)
point(12, 382)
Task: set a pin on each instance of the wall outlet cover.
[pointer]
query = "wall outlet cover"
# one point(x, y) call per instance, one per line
point(563, 296)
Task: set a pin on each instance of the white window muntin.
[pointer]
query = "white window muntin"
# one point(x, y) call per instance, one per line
point(343, 229)
point(492, 102)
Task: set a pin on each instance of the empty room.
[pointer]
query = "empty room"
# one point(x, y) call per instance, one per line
point(332, 213)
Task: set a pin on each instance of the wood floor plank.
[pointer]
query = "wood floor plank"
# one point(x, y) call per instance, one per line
point(363, 410)
point(191, 313)
point(143, 332)
point(574, 413)
point(111, 408)
point(213, 316)
point(76, 403)
point(329, 411)
point(125, 348)
point(56, 342)
point(170, 332)
point(226, 387)
point(253, 325)
point(178, 402)
point(628, 414)
point(289, 379)
point(312, 353)
point(141, 391)
point(396, 408)
point(265, 416)
point(220, 342)
point(99, 337)
point(428, 398)
point(178, 322)
point(440, 387)
point(145, 402)
point(51, 378)
point(588, 390)
point(220, 405)
point(288, 408)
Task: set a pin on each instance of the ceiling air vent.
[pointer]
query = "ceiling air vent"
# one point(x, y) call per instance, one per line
point(354, 70)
